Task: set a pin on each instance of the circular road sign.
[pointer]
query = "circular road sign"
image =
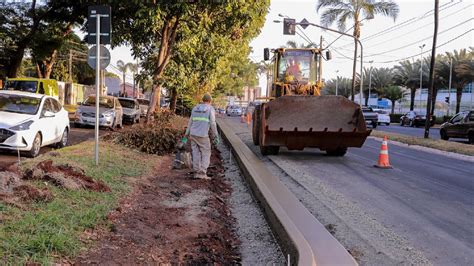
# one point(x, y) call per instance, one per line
point(104, 56)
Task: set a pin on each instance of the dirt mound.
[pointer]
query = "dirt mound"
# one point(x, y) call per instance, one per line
point(170, 219)
point(15, 192)
point(64, 176)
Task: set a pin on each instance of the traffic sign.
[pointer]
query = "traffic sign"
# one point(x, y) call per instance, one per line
point(289, 26)
point(104, 57)
point(104, 11)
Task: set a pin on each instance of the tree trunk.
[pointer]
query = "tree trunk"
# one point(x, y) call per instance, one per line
point(412, 98)
point(173, 99)
point(39, 73)
point(167, 37)
point(458, 99)
point(123, 91)
point(15, 62)
point(432, 64)
point(354, 65)
point(393, 106)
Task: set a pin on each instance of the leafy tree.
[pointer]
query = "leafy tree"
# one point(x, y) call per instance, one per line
point(341, 11)
point(393, 93)
point(152, 30)
point(463, 68)
point(378, 78)
point(33, 25)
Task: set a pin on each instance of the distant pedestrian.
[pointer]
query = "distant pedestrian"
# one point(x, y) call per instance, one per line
point(203, 118)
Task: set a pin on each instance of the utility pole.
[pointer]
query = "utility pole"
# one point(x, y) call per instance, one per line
point(421, 71)
point(370, 79)
point(70, 65)
point(431, 80)
point(320, 70)
point(450, 78)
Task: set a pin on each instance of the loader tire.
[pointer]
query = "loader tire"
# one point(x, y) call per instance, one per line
point(269, 150)
point(256, 122)
point(338, 152)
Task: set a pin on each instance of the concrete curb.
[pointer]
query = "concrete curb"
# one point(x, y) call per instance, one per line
point(300, 235)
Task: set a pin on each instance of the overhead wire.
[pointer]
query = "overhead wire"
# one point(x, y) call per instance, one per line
point(418, 41)
point(441, 45)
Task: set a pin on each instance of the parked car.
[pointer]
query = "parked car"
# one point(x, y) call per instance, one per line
point(131, 110)
point(110, 112)
point(34, 85)
point(415, 119)
point(144, 103)
point(234, 111)
point(370, 116)
point(459, 126)
point(29, 121)
point(383, 117)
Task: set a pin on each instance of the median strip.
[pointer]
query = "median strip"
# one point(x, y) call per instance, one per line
point(442, 145)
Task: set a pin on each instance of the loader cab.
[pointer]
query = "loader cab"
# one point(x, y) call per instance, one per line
point(296, 65)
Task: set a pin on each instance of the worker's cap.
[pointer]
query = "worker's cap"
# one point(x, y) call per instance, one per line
point(206, 97)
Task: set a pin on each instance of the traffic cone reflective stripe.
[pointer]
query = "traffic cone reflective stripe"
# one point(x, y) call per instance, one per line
point(383, 156)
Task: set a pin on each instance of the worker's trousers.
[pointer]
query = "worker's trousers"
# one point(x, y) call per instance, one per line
point(201, 153)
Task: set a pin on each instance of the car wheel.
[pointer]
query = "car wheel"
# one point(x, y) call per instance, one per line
point(374, 125)
point(443, 134)
point(471, 137)
point(35, 149)
point(64, 139)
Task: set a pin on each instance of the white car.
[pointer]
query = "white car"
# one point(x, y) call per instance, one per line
point(383, 117)
point(29, 121)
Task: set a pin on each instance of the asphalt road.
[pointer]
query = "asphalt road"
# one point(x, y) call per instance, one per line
point(410, 131)
point(422, 211)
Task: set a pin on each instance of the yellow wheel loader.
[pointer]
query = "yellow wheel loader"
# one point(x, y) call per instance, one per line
point(298, 116)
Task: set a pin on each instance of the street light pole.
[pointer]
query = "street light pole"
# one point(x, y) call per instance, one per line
point(450, 78)
point(370, 79)
point(361, 52)
point(421, 71)
point(337, 79)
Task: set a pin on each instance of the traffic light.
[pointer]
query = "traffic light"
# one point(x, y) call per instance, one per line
point(446, 100)
point(289, 26)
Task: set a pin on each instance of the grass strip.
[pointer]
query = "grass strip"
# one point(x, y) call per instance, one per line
point(47, 231)
point(438, 144)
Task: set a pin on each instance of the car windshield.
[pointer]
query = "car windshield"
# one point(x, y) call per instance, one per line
point(21, 85)
point(19, 104)
point(103, 102)
point(143, 101)
point(127, 103)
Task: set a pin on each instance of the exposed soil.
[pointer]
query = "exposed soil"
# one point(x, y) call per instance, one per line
point(65, 176)
point(169, 218)
point(15, 189)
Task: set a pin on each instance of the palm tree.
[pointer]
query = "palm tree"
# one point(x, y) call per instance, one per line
point(122, 67)
point(393, 93)
point(343, 87)
point(378, 78)
point(462, 71)
point(341, 11)
point(265, 68)
point(408, 74)
point(294, 44)
point(134, 69)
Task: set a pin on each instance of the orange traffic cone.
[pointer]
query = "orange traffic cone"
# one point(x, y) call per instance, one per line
point(249, 118)
point(383, 156)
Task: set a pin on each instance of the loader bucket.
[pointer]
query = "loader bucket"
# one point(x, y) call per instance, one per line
point(324, 122)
